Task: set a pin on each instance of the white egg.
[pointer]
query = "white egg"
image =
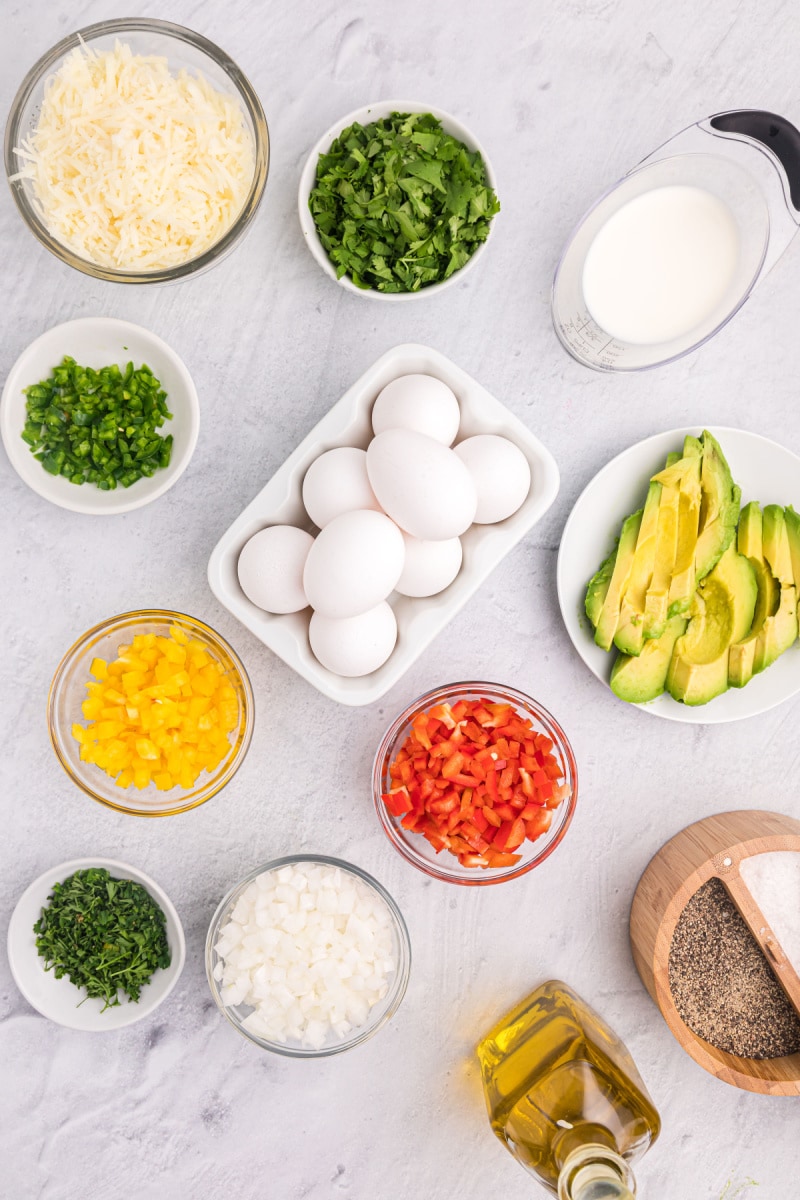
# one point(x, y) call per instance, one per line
point(421, 403)
point(429, 567)
point(354, 564)
point(501, 473)
point(354, 646)
point(421, 484)
point(271, 568)
point(336, 483)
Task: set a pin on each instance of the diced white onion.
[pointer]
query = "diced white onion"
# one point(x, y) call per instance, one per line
point(309, 949)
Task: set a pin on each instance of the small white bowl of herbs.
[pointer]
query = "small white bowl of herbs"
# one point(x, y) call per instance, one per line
point(95, 944)
point(99, 416)
point(397, 200)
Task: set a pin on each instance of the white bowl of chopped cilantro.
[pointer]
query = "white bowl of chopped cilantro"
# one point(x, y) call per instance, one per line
point(99, 416)
point(397, 200)
point(95, 910)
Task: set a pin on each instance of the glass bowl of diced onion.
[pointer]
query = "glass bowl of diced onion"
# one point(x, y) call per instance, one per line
point(194, 668)
point(64, 219)
point(432, 857)
point(308, 956)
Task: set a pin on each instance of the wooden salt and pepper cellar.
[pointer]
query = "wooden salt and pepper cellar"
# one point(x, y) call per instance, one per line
point(714, 847)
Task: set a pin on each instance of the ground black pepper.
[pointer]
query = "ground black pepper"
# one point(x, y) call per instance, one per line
point(723, 987)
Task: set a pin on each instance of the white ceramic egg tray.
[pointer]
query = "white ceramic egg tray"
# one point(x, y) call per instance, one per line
point(418, 620)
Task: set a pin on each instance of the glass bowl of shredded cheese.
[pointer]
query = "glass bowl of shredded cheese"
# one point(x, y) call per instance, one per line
point(137, 151)
point(151, 712)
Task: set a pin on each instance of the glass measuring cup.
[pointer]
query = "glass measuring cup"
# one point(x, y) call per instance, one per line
point(748, 159)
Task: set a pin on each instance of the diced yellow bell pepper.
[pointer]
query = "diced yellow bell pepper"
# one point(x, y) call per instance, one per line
point(159, 714)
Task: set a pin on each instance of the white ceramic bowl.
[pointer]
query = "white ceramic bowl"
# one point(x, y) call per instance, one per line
point(58, 999)
point(99, 342)
point(418, 620)
point(765, 472)
point(374, 112)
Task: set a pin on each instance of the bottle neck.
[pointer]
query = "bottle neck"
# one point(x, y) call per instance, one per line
point(595, 1172)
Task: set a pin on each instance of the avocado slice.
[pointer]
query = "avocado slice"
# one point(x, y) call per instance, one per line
point(629, 637)
point(623, 561)
point(779, 631)
point(721, 614)
point(792, 520)
point(683, 583)
point(642, 678)
point(719, 507)
point(741, 662)
point(775, 541)
point(597, 588)
point(656, 603)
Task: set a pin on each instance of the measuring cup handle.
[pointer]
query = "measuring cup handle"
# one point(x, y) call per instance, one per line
point(774, 132)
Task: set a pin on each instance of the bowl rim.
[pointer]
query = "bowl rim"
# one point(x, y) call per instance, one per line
point(114, 866)
point(168, 616)
point(98, 503)
point(253, 111)
point(388, 743)
point(308, 228)
point(397, 987)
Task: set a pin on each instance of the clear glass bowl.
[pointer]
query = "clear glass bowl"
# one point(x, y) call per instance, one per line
point(68, 691)
point(379, 1014)
point(445, 866)
point(183, 49)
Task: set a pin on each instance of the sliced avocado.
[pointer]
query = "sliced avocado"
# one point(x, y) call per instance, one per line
point(775, 540)
point(656, 603)
point(792, 520)
point(750, 534)
point(682, 584)
point(597, 588)
point(742, 659)
point(623, 560)
point(642, 678)
point(779, 631)
point(719, 507)
point(629, 637)
point(721, 614)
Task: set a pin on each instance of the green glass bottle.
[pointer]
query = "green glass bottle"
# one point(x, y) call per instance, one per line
point(564, 1096)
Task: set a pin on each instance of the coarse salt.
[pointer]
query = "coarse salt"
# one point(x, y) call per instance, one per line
point(773, 880)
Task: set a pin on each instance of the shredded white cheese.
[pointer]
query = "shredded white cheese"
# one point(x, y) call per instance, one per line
point(134, 167)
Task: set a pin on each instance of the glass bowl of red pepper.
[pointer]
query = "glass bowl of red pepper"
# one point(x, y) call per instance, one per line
point(475, 783)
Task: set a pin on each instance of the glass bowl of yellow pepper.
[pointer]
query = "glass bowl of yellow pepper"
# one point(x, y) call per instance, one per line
point(151, 712)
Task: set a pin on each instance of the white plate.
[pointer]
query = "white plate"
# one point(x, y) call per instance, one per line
point(59, 999)
point(374, 112)
point(280, 502)
point(99, 342)
point(764, 471)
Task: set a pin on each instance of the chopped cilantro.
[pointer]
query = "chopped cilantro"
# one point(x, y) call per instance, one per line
point(399, 204)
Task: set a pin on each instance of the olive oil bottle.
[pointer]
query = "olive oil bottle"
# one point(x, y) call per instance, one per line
point(564, 1095)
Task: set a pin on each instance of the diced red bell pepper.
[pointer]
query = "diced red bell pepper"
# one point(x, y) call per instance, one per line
point(538, 824)
point(475, 779)
point(398, 802)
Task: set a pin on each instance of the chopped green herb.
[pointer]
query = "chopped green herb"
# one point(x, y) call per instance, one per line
point(399, 204)
point(98, 427)
point(106, 935)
